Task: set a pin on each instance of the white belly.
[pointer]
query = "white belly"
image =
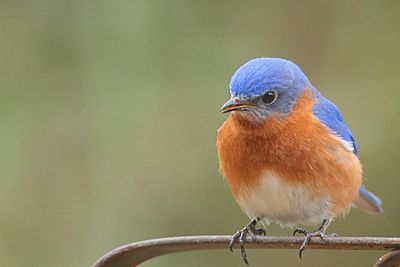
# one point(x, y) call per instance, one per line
point(286, 204)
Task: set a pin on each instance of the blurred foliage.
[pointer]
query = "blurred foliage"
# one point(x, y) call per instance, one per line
point(109, 113)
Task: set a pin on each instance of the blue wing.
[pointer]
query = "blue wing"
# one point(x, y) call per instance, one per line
point(329, 114)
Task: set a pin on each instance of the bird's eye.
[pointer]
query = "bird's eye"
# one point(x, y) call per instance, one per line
point(270, 97)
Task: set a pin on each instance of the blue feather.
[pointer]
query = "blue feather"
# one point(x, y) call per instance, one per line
point(370, 196)
point(330, 116)
point(257, 75)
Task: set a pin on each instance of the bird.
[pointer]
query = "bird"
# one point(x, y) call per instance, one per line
point(287, 154)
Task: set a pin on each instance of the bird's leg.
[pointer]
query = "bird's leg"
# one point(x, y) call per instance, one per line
point(321, 233)
point(249, 229)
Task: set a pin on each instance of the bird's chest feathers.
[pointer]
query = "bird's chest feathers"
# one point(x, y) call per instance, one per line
point(245, 152)
point(297, 148)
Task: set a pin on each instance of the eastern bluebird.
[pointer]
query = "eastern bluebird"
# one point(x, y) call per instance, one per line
point(287, 153)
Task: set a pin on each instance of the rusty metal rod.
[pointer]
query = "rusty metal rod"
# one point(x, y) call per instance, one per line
point(135, 253)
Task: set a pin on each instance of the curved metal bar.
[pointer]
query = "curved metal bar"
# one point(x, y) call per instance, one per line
point(135, 253)
point(390, 259)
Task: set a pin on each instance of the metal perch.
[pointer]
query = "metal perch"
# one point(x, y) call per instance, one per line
point(138, 252)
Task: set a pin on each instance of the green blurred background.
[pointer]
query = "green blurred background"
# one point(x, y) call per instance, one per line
point(109, 114)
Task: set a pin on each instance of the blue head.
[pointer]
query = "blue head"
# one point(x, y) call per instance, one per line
point(266, 86)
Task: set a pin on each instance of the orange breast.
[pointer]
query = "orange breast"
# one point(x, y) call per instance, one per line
point(298, 148)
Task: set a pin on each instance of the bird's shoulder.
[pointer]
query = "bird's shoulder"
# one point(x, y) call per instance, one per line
point(329, 115)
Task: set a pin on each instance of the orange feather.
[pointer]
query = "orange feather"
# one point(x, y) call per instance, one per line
point(298, 148)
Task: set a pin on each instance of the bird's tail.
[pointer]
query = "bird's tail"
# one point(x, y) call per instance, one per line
point(368, 202)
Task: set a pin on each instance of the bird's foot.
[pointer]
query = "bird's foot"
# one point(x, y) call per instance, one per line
point(319, 233)
point(249, 229)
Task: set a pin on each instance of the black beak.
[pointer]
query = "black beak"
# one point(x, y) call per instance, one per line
point(235, 104)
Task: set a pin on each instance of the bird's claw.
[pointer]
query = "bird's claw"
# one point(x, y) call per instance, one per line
point(249, 229)
point(320, 233)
